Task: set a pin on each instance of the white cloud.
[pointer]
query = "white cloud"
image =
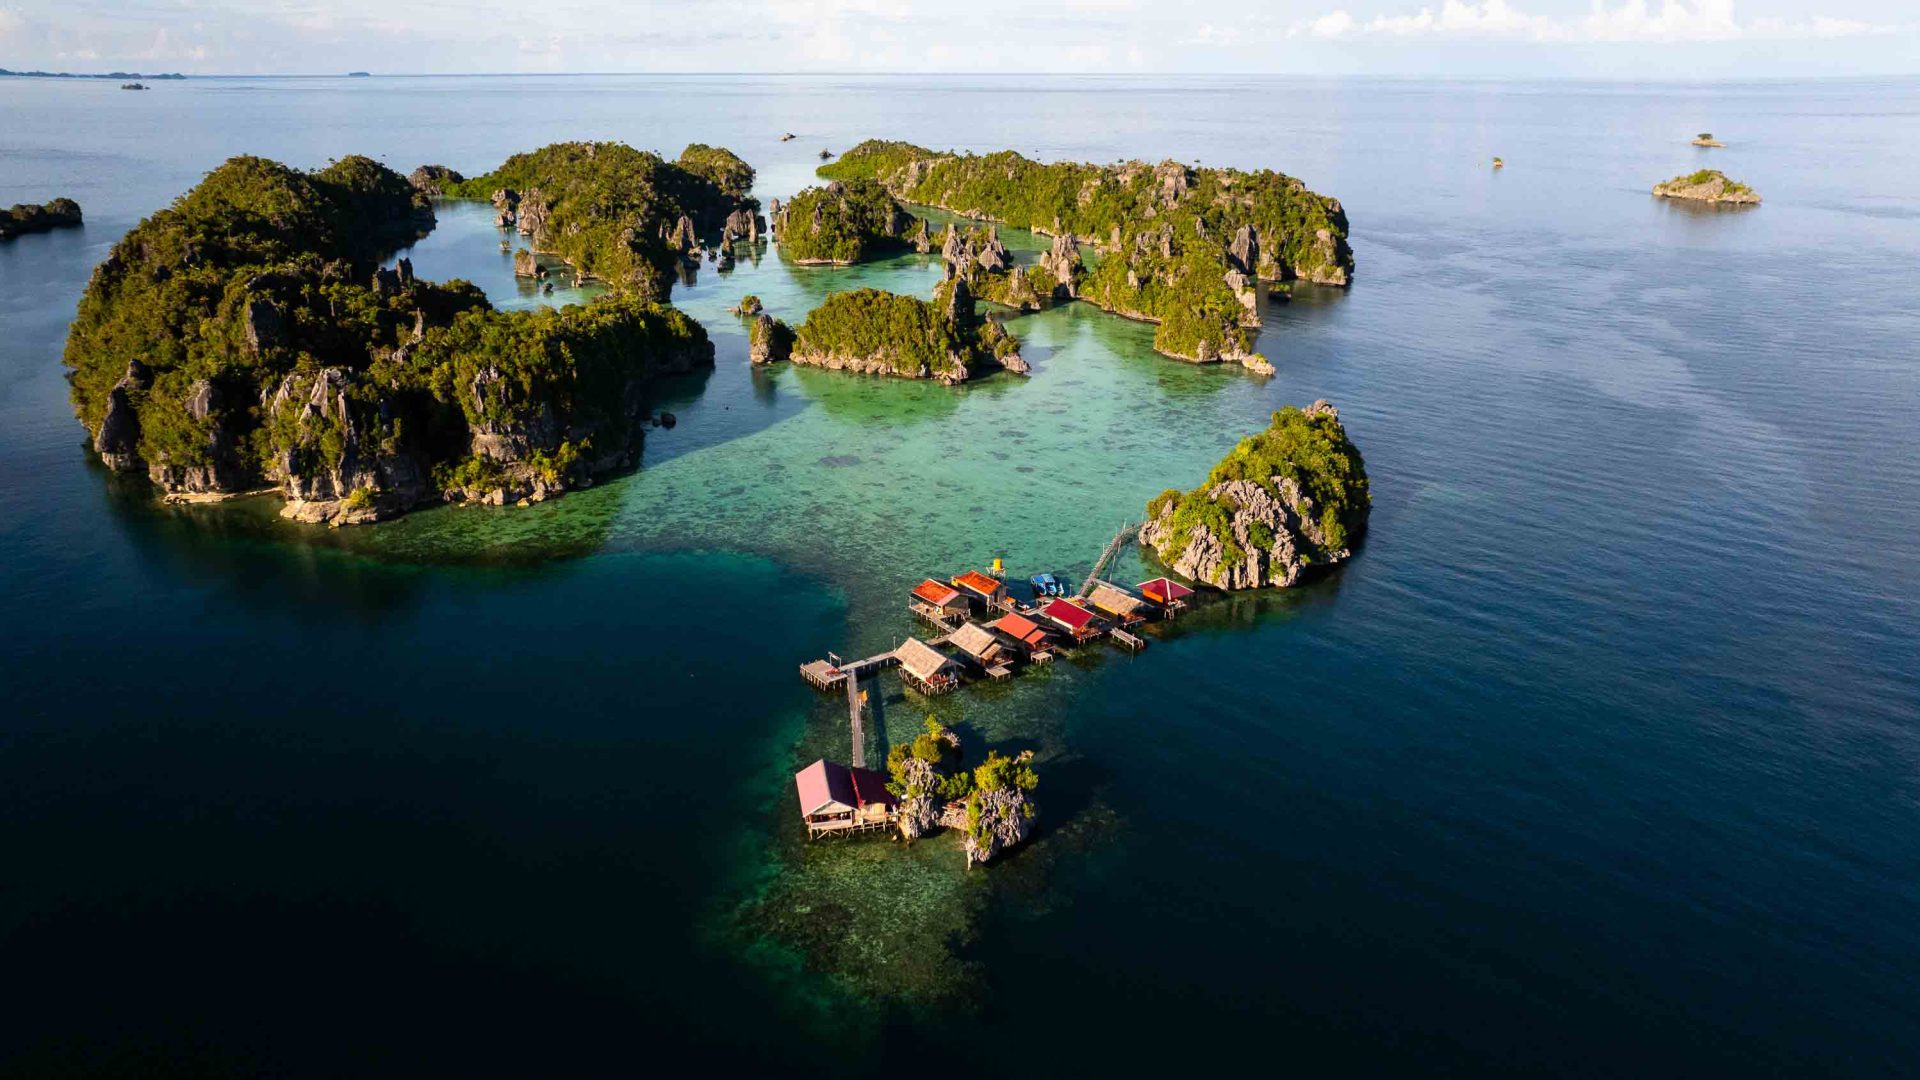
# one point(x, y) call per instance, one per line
point(1632, 20)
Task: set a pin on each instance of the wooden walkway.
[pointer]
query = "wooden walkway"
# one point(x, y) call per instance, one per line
point(1127, 532)
point(827, 675)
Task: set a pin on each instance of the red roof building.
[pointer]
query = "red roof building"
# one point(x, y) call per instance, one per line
point(935, 593)
point(1072, 618)
point(834, 797)
point(980, 586)
point(1164, 591)
point(1031, 635)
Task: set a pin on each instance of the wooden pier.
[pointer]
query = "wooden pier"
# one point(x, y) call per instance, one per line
point(1127, 532)
point(829, 674)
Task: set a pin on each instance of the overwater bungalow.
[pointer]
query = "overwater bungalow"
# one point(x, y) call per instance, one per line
point(986, 593)
point(1166, 592)
point(941, 605)
point(1025, 635)
point(1077, 622)
point(926, 668)
point(1118, 604)
point(836, 799)
point(985, 649)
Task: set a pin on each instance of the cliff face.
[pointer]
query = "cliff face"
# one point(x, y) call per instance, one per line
point(246, 337)
point(1285, 501)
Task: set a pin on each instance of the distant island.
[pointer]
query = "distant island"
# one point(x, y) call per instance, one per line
point(22, 218)
point(1708, 186)
point(246, 338)
point(1288, 500)
point(1180, 246)
point(79, 75)
point(359, 74)
point(1706, 138)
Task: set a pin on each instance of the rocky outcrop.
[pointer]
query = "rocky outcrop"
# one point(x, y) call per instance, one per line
point(433, 179)
point(24, 218)
point(530, 218)
point(525, 265)
point(769, 341)
point(684, 239)
point(1708, 186)
point(330, 465)
point(1062, 263)
point(1287, 500)
point(921, 239)
point(742, 224)
point(506, 203)
point(118, 440)
point(1243, 254)
point(215, 466)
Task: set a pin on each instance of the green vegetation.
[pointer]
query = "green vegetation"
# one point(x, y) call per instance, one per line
point(1307, 447)
point(872, 330)
point(1091, 201)
point(23, 218)
point(609, 210)
point(840, 223)
point(999, 810)
point(246, 332)
point(1712, 185)
point(1180, 246)
point(939, 750)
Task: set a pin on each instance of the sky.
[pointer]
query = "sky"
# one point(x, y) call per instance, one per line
point(1636, 39)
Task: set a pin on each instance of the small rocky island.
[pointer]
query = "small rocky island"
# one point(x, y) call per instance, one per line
point(1708, 186)
point(23, 218)
point(1284, 502)
point(883, 333)
point(1180, 246)
point(841, 224)
point(248, 337)
point(1706, 138)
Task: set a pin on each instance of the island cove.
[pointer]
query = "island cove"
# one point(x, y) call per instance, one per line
point(1177, 246)
point(247, 340)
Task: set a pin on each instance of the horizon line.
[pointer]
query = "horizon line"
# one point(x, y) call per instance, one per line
point(180, 76)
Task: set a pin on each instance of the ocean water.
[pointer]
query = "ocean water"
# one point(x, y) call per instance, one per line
point(1599, 758)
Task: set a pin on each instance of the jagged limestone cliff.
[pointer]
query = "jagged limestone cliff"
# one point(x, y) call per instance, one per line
point(1287, 500)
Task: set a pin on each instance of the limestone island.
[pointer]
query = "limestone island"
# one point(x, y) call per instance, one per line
point(841, 224)
point(23, 218)
point(1708, 186)
point(1180, 246)
point(247, 337)
point(1706, 138)
point(1284, 502)
point(883, 333)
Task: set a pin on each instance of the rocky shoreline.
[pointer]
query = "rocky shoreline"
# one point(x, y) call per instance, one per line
point(1286, 501)
point(1708, 186)
point(359, 392)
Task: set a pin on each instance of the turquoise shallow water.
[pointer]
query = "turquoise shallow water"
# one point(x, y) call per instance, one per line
point(1597, 759)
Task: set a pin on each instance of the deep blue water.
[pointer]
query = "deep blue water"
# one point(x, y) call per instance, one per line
point(1601, 758)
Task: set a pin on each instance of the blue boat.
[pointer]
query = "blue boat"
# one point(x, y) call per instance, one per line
point(1044, 585)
